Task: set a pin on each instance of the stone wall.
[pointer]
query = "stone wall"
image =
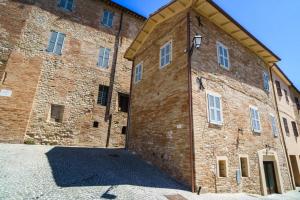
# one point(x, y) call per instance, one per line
point(73, 78)
point(239, 87)
point(159, 118)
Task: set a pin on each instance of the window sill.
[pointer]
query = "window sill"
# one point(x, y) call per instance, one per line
point(224, 67)
point(164, 66)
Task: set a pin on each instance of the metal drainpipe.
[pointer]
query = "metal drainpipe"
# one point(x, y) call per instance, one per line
point(191, 134)
point(113, 69)
point(281, 129)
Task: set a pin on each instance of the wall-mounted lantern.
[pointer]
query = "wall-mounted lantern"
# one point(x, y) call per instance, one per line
point(197, 40)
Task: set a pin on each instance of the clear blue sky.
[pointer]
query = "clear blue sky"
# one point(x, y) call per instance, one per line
point(276, 23)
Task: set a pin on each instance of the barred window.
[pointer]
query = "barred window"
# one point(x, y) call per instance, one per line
point(103, 95)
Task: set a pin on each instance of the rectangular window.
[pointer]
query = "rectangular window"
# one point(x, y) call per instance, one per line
point(295, 129)
point(223, 56)
point(56, 42)
point(96, 124)
point(297, 103)
point(286, 126)
point(103, 59)
point(214, 109)
point(103, 95)
point(273, 125)
point(123, 102)
point(255, 120)
point(138, 71)
point(165, 54)
point(266, 82)
point(57, 112)
point(66, 4)
point(278, 87)
point(222, 166)
point(107, 18)
point(286, 96)
point(244, 166)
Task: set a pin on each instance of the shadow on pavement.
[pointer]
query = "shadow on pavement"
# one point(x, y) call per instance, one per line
point(73, 167)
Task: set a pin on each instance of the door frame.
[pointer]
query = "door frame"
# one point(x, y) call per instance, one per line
point(273, 174)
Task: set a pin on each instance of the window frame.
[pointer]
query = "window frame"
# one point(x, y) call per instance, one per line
point(259, 131)
point(65, 6)
point(170, 54)
point(110, 13)
point(242, 156)
point(120, 94)
point(274, 126)
point(215, 95)
point(222, 158)
point(55, 44)
point(103, 57)
point(219, 44)
point(141, 72)
point(99, 102)
point(266, 82)
point(295, 129)
point(286, 94)
point(278, 88)
point(61, 117)
point(286, 126)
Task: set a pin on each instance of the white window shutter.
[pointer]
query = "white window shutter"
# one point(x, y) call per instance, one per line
point(52, 41)
point(110, 19)
point(106, 57)
point(59, 43)
point(101, 57)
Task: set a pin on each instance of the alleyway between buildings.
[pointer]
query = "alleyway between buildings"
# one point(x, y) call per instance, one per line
point(44, 172)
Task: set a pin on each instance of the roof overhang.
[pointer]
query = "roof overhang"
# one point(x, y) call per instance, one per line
point(215, 14)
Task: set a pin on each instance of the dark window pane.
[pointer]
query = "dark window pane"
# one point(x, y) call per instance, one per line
point(297, 103)
point(286, 127)
point(57, 112)
point(96, 124)
point(103, 95)
point(123, 102)
point(278, 88)
point(295, 129)
point(124, 130)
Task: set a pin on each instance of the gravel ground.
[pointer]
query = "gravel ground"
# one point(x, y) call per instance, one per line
point(43, 172)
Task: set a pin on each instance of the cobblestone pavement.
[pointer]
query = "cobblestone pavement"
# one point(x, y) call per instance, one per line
point(43, 172)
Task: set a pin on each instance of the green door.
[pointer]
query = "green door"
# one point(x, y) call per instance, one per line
point(270, 177)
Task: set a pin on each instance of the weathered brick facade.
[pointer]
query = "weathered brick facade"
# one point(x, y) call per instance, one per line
point(38, 78)
point(168, 106)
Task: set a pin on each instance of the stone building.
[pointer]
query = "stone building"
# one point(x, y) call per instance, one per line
point(64, 78)
point(206, 113)
point(287, 98)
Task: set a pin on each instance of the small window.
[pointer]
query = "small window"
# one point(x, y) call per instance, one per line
point(107, 18)
point(266, 82)
point(222, 168)
point(165, 54)
point(103, 59)
point(123, 102)
point(278, 87)
point(255, 120)
point(286, 96)
point(96, 124)
point(273, 125)
point(124, 130)
point(223, 56)
point(57, 112)
point(286, 126)
point(56, 42)
point(103, 95)
point(296, 134)
point(214, 109)
point(138, 71)
point(66, 4)
point(244, 166)
point(297, 103)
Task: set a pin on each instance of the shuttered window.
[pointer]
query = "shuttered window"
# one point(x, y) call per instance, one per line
point(165, 54)
point(103, 59)
point(255, 120)
point(138, 71)
point(278, 87)
point(56, 42)
point(103, 95)
point(297, 103)
point(107, 18)
point(286, 126)
point(266, 82)
point(295, 129)
point(223, 55)
point(66, 4)
point(214, 109)
point(286, 96)
point(274, 125)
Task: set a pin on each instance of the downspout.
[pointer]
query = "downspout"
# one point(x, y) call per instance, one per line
point(191, 125)
point(281, 129)
point(129, 108)
point(113, 68)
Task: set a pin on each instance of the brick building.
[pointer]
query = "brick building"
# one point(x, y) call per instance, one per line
point(287, 98)
point(64, 78)
point(206, 114)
